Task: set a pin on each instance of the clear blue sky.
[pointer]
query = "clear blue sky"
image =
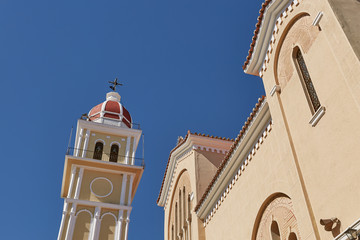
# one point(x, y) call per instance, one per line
point(180, 61)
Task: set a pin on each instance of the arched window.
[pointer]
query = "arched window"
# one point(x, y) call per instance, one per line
point(176, 220)
point(275, 232)
point(307, 82)
point(114, 152)
point(180, 210)
point(184, 206)
point(99, 146)
point(189, 216)
point(292, 236)
point(172, 232)
point(189, 206)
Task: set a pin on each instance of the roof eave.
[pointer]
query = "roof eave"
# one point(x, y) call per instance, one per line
point(262, 117)
point(262, 36)
point(168, 174)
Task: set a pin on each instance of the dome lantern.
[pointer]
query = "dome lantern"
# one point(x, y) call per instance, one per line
point(111, 112)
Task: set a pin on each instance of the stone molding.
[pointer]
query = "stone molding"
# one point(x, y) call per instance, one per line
point(241, 169)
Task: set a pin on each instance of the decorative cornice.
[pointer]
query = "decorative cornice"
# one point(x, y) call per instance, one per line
point(210, 149)
point(270, 13)
point(243, 133)
point(275, 32)
point(183, 147)
point(238, 173)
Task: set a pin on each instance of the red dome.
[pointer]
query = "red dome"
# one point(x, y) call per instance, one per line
point(111, 112)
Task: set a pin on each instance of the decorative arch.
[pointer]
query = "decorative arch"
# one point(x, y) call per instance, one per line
point(84, 210)
point(108, 213)
point(99, 140)
point(275, 219)
point(115, 142)
point(108, 225)
point(177, 215)
point(298, 32)
point(82, 224)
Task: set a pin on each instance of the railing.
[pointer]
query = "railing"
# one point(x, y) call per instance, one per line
point(118, 121)
point(135, 126)
point(107, 157)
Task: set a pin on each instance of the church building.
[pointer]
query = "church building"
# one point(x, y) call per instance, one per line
point(292, 172)
point(101, 174)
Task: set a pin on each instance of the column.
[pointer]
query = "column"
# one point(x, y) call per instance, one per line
point(123, 189)
point(188, 229)
point(127, 151)
point(133, 153)
point(119, 225)
point(95, 226)
point(130, 189)
point(71, 224)
point(86, 141)
point(63, 219)
point(78, 184)
point(126, 228)
point(78, 144)
point(73, 172)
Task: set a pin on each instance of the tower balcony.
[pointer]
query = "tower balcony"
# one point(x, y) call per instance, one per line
point(106, 157)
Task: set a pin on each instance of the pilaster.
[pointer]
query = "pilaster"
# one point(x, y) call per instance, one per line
point(126, 222)
point(78, 144)
point(130, 190)
point(73, 172)
point(71, 224)
point(86, 143)
point(78, 185)
point(64, 213)
point(95, 226)
point(127, 151)
point(119, 225)
point(123, 189)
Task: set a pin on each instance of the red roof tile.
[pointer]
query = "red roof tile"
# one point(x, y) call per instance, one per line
point(256, 32)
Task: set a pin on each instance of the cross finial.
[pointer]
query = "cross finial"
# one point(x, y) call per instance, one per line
point(115, 83)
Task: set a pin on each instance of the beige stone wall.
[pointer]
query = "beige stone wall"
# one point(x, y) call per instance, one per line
point(271, 171)
point(206, 164)
point(301, 173)
point(84, 216)
point(278, 218)
point(185, 164)
point(108, 224)
point(83, 222)
point(179, 213)
point(347, 12)
point(108, 139)
point(101, 187)
point(327, 153)
point(194, 171)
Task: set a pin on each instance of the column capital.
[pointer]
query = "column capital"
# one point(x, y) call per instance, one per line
point(97, 213)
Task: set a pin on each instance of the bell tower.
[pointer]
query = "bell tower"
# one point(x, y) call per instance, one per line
point(101, 174)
